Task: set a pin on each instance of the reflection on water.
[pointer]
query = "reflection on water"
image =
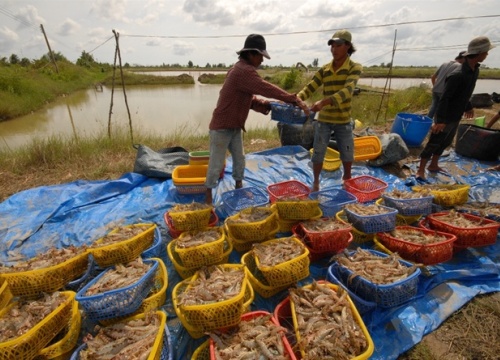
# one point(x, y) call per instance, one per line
point(162, 110)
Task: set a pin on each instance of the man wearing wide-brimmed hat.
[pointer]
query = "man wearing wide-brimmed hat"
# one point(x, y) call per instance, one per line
point(454, 103)
point(338, 78)
point(236, 98)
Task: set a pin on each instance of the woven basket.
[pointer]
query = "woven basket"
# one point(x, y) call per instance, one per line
point(243, 246)
point(124, 251)
point(201, 255)
point(288, 272)
point(257, 280)
point(30, 284)
point(252, 231)
point(29, 344)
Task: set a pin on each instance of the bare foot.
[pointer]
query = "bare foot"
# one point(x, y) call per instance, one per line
point(436, 169)
point(344, 178)
point(315, 187)
point(208, 197)
point(239, 184)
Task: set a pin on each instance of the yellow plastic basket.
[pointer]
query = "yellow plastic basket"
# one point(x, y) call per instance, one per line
point(5, 293)
point(28, 345)
point(252, 231)
point(243, 246)
point(288, 272)
point(186, 272)
point(258, 282)
point(456, 194)
point(297, 210)
point(207, 317)
point(358, 237)
point(370, 348)
point(202, 352)
point(156, 349)
point(332, 159)
point(69, 340)
point(32, 283)
point(367, 148)
point(124, 251)
point(201, 255)
point(190, 220)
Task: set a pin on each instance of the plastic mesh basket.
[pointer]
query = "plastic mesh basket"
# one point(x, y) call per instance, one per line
point(239, 199)
point(124, 251)
point(359, 237)
point(5, 293)
point(119, 302)
point(365, 187)
point(363, 306)
point(246, 245)
point(207, 317)
point(46, 280)
point(287, 272)
point(289, 114)
point(297, 210)
point(68, 341)
point(250, 316)
point(186, 272)
point(174, 233)
point(29, 344)
point(200, 255)
point(371, 224)
point(410, 207)
point(332, 161)
point(258, 282)
point(386, 296)
point(323, 240)
point(202, 352)
point(484, 234)
point(255, 230)
point(448, 195)
point(190, 220)
point(156, 248)
point(367, 148)
point(332, 200)
point(427, 254)
point(288, 189)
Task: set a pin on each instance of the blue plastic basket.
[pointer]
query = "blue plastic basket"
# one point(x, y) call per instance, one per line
point(371, 224)
point(410, 207)
point(236, 200)
point(386, 296)
point(332, 200)
point(363, 306)
point(156, 249)
point(119, 302)
point(289, 114)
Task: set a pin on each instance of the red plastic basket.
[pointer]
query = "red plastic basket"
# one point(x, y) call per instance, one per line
point(365, 187)
point(249, 317)
point(174, 233)
point(324, 241)
point(428, 254)
point(316, 255)
point(288, 189)
point(483, 235)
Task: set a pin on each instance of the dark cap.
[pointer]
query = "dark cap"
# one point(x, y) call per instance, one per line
point(255, 42)
point(460, 55)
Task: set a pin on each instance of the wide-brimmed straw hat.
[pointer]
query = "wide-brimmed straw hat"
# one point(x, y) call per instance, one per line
point(478, 45)
point(255, 42)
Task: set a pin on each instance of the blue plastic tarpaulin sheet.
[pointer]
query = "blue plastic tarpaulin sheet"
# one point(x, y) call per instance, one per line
point(80, 212)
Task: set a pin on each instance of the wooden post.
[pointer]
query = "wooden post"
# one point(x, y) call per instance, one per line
point(50, 50)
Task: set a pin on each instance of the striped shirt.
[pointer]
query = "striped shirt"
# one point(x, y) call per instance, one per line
point(338, 86)
point(237, 97)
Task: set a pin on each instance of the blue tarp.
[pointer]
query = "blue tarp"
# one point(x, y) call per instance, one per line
point(80, 212)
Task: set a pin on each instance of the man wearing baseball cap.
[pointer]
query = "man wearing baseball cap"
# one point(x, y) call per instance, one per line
point(454, 103)
point(338, 78)
point(236, 98)
point(439, 77)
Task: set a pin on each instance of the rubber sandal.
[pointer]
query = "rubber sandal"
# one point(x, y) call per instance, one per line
point(421, 180)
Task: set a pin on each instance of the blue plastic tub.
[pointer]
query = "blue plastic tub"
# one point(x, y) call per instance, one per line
point(412, 128)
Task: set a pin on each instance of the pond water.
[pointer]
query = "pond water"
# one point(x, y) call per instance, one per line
point(182, 109)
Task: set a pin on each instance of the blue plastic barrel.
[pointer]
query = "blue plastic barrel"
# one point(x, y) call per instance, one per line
point(412, 128)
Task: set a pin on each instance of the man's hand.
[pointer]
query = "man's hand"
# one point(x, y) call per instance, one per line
point(303, 106)
point(318, 105)
point(437, 128)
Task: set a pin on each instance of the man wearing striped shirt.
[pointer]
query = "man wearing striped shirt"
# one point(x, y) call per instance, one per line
point(338, 78)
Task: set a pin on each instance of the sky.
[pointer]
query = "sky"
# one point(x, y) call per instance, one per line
point(156, 32)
